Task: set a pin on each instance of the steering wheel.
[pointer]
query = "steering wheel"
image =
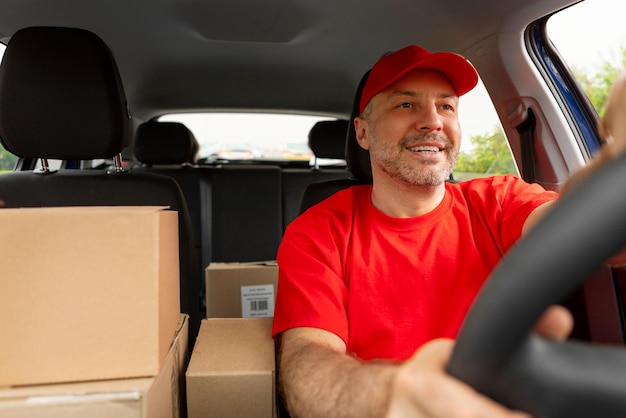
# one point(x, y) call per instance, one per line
point(496, 351)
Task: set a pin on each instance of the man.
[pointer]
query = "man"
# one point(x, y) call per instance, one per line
point(376, 280)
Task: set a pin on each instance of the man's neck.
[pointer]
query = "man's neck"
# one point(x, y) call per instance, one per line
point(399, 200)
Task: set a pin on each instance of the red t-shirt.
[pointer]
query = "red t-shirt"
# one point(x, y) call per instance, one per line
point(388, 285)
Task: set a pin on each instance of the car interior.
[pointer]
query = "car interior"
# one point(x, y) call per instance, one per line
point(94, 95)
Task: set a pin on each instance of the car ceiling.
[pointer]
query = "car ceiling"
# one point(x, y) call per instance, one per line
point(287, 55)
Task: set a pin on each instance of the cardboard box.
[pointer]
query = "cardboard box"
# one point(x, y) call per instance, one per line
point(241, 290)
point(88, 293)
point(162, 396)
point(231, 372)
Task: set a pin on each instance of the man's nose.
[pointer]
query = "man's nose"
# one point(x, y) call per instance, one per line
point(429, 119)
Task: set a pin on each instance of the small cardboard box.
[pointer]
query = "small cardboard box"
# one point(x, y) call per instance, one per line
point(161, 396)
point(88, 293)
point(231, 372)
point(241, 290)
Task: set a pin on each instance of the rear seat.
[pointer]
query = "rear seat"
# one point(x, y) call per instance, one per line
point(247, 212)
point(170, 148)
point(238, 211)
point(327, 139)
point(228, 226)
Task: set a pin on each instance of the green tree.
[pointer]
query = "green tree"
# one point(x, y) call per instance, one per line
point(7, 160)
point(597, 86)
point(489, 154)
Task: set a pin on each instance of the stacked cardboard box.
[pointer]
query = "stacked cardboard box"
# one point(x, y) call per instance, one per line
point(241, 290)
point(232, 368)
point(160, 396)
point(89, 293)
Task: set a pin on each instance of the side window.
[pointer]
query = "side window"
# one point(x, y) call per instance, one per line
point(596, 51)
point(7, 160)
point(485, 150)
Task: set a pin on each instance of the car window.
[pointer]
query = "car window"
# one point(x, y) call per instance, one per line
point(591, 38)
point(485, 149)
point(7, 160)
point(284, 137)
point(250, 136)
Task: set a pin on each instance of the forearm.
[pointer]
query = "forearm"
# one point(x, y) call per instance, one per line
point(318, 381)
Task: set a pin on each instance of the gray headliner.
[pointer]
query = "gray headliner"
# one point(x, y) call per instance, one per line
point(289, 55)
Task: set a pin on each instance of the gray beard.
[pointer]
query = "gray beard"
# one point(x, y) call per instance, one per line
point(389, 162)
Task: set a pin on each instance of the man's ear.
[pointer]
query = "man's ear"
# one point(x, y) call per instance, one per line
point(361, 129)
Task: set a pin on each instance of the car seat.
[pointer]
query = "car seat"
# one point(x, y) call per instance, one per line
point(357, 158)
point(61, 97)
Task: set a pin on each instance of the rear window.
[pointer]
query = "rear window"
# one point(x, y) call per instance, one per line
point(225, 137)
point(264, 137)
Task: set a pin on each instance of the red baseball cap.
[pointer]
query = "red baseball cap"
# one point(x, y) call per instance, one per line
point(393, 66)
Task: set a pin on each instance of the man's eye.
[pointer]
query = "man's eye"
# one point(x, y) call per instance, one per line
point(447, 107)
point(405, 105)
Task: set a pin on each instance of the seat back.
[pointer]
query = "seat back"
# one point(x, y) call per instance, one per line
point(357, 158)
point(171, 149)
point(61, 97)
point(327, 139)
point(246, 212)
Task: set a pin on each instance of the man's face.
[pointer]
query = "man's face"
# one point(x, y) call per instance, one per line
point(412, 129)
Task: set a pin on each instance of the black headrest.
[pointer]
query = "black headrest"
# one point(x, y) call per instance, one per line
point(165, 143)
point(61, 96)
point(358, 159)
point(327, 139)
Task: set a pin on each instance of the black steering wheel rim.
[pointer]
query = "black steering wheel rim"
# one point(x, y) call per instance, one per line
point(496, 351)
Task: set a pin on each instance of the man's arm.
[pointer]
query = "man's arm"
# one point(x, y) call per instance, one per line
point(319, 379)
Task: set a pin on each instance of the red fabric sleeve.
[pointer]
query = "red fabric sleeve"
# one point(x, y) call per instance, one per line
point(504, 203)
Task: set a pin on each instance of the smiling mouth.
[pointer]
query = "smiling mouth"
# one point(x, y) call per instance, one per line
point(424, 148)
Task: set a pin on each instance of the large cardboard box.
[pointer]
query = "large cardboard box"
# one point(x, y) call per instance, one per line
point(88, 293)
point(241, 290)
point(161, 396)
point(231, 372)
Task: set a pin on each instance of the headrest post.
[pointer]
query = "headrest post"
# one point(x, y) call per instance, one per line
point(118, 163)
point(45, 167)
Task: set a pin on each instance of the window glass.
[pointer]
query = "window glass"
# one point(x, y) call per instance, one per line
point(284, 137)
point(250, 136)
point(591, 38)
point(7, 160)
point(485, 149)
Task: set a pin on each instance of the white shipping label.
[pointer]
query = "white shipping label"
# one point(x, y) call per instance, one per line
point(257, 301)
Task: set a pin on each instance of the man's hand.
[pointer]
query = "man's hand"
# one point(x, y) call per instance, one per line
point(612, 129)
point(422, 388)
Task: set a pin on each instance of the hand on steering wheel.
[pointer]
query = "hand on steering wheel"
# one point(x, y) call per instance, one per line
point(496, 351)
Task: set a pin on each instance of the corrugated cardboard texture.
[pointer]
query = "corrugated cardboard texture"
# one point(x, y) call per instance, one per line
point(162, 396)
point(231, 370)
point(87, 293)
point(224, 282)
